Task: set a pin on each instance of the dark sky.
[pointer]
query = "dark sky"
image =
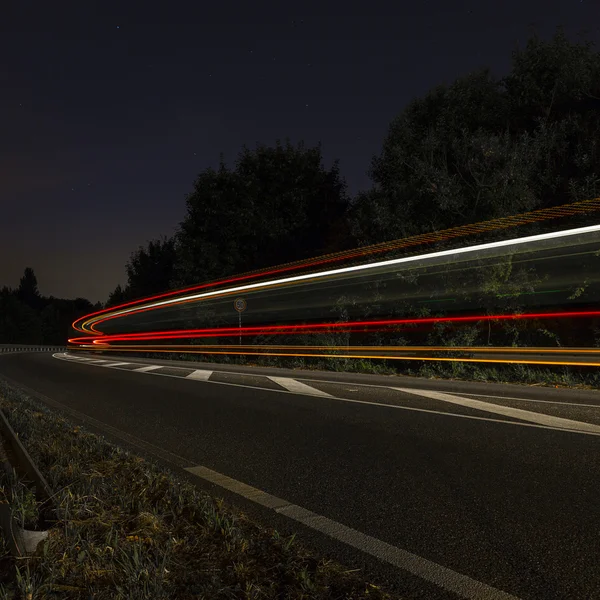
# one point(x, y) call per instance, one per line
point(109, 110)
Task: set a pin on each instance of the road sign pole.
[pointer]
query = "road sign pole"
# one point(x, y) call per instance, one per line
point(240, 305)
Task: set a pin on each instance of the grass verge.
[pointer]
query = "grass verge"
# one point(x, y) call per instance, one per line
point(127, 528)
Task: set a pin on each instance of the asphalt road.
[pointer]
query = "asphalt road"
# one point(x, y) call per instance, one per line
point(442, 485)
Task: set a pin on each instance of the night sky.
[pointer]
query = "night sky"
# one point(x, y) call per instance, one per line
point(109, 110)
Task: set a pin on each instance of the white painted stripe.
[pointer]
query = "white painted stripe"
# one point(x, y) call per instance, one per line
point(147, 368)
point(297, 387)
point(529, 400)
point(443, 577)
point(199, 375)
point(97, 360)
point(507, 411)
point(117, 364)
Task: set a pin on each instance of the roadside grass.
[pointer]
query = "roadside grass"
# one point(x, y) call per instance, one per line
point(126, 528)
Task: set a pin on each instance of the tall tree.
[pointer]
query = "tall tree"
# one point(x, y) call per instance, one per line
point(150, 268)
point(278, 204)
point(28, 292)
point(116, 297)
point(482, 147)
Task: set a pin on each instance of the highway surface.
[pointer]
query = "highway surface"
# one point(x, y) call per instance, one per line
point(436, 489)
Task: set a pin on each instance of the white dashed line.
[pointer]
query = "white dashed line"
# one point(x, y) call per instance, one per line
point(117, 364)
point(147, 368)
point(446, 578)
point(199, 375)
point(295, 386)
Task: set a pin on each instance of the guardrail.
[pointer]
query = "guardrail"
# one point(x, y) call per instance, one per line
point(26, 348)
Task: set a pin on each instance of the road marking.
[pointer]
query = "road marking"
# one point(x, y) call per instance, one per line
point(368, 385)
point(297, 387)
point(528, 400)
point(443, 577)
point(364, 402)
point(507, 411)
point(199, 375)
point(117, 364)
point(98, 360)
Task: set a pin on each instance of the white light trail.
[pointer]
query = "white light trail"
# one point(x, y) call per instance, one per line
point(396, 261)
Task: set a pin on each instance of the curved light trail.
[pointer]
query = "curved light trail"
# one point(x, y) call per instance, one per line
point(275, 293)
point(536, 216)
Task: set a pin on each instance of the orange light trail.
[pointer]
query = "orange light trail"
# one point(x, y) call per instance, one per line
point(365, 356)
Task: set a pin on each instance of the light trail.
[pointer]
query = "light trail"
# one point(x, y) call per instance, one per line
point(311, 327)
point(440, 269)
point(365, 356)
point(472, 349)
point(515, 242)
point(581, 207)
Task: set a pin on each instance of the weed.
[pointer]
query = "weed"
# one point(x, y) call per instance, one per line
point(127, 528)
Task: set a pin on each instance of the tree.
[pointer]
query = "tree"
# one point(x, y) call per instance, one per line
point(482, 147)
point(277, 205)
point(28, 292)
point(19, 323)
point(150, 268)
point(116, 297)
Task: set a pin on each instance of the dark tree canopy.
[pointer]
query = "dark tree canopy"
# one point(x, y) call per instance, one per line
point(27, 291)
point(482, 148)
point(118, 296)
point(150, 268)
point(278, 204)
point(27, 317)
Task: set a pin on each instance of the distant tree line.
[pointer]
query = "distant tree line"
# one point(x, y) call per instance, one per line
point(480, 148)
point(27, 317)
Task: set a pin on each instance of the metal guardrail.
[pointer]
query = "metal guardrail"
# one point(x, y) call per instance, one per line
point(27, 348)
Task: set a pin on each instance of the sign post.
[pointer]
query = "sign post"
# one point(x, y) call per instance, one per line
point(240, 305)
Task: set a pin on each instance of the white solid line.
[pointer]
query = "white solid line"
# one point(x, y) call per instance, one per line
point(385, 263)
point(147, 368)
point(528, 400)
point(507, 411)
point(443, 577)
point(199, 375)
point(297, 387)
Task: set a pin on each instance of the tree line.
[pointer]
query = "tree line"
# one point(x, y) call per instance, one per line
point(480, 148)
point(27, 317)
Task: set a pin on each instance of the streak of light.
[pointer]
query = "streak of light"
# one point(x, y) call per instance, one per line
point(367, 356)
point(474, 349)
point(463, 230)
point(309, 327)
point(362, 268)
